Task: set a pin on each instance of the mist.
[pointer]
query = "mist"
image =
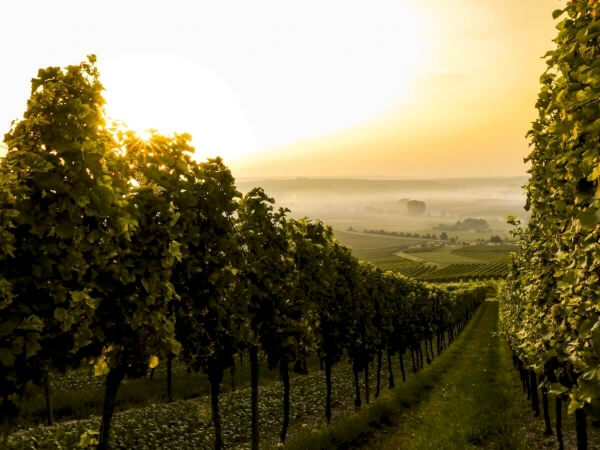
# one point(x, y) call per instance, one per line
point(360, 204)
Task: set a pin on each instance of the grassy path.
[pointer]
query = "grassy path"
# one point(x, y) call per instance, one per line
point(366, 427)
point(471, 405)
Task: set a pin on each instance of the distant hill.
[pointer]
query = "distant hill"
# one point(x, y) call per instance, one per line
point(376, 204)
point(507, 185)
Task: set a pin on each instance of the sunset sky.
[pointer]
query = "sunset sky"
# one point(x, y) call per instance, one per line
point(402, 88)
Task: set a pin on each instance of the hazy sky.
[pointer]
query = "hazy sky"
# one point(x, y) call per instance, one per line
point(281, 88)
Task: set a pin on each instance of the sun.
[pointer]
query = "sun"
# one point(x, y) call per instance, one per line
point(173, 94)
point(144, 135)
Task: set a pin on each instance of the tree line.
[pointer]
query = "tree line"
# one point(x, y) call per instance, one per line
point(549, 304)
point(123, 252)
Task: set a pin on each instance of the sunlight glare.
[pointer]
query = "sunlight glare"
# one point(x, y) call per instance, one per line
point(172, 94)
point(144, 135)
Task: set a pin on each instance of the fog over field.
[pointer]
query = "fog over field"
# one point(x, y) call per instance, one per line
point(380, 203)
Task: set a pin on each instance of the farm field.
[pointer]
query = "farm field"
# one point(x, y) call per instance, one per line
point(471, 271)
point(364, 241)
point(488, 253)
point(443, 256)
point(380, 250)
point(439, 262)
point(374, 203)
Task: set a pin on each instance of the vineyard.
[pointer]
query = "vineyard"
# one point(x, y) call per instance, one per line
point(386, 259)
point(124, 255)
point(474, 271)
point(453, 272)
point(467, 262)
point(417, 270)
point(145, 302)
point(184, 422)
point(549, 303)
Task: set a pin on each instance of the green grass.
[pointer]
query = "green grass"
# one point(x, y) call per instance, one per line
point(386, 258)
point(440, 264)
point(487, 253)
point(378, 250)
point(455, 254)
point(359, 241)
point(375, 255)
point(357, 429)
point(444, 255)
point(472, 405)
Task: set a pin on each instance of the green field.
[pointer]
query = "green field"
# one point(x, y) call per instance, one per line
point(443, 256)
point(379, 250)
point(472, 271)
point(429, 260)
point(488, 253)
point(376, 203)
point(360, 241)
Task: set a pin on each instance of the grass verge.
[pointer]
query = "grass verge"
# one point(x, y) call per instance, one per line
point(472, 405)
point(356, 428)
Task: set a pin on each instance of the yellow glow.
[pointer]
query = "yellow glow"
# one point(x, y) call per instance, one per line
point(144, 135)
point(173, 94)
point(314, 74)
point(385, 87)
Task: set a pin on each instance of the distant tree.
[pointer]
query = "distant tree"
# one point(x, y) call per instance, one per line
point(452, 240)
point(443, 236)
point(479, 225)
point(416, 207)
point(496, 239)
point(434, 236)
